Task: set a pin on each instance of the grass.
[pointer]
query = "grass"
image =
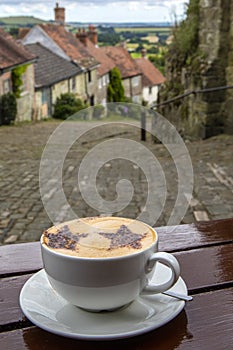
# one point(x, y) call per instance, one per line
point(20, 20)
point(132, 46)
point(149, 30)
point(153, 39)
point(136, 55)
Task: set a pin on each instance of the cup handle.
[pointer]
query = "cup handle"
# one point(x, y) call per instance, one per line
point(168, 260)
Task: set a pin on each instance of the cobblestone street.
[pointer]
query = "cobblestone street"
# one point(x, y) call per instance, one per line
point(22, 214)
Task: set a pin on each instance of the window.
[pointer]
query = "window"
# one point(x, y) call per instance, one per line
point(43, 97)
point(73, 84)
point(100, 83)
point(92, 100)
point(24, 80)
point(6, 86)
point(135, 81)
point(150, 90)
point(89, 76)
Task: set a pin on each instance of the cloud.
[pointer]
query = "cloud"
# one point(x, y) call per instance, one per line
point(64, 3)
point(96, 10)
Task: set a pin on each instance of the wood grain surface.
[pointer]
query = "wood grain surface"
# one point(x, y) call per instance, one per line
point(205, 254)
point(20, 258)
point(201, 269)
point(201, 326)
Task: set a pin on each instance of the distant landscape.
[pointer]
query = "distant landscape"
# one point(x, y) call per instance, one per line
point(154, 37)
point(24, 20)
point(19, 21)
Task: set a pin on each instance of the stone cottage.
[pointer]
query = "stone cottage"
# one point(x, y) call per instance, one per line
point(64, 44)
point(14, 56)
point(130, 72)
point(90, 40)
point(53, 76)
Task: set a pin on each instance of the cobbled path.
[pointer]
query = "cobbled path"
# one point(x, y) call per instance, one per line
point(22, 214)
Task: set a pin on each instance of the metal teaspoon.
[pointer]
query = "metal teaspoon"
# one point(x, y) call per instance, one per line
point(178, 296)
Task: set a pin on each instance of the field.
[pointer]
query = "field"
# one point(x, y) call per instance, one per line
point(146, 30)
point(20, 21)
point(154, 39)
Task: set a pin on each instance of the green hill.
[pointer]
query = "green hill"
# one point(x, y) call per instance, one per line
point(18, 21)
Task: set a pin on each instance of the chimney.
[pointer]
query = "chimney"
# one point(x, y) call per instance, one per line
point(92, 34)
point(59, 14)
point(143, 53)
point(82, 36)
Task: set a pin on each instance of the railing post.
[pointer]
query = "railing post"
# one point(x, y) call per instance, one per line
point(143, 126)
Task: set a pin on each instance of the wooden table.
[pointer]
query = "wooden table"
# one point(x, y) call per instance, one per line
point(205, 253)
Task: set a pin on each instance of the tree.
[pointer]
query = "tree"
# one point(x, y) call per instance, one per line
point(115, 92)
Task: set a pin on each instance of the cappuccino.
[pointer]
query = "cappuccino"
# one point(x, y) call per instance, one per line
point(99, 237)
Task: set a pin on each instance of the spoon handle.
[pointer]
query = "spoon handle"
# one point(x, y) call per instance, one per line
point(178, 296)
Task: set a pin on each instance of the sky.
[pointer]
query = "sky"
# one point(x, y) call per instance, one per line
point(98, 10)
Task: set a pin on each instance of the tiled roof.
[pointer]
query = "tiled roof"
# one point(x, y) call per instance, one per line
point(70, 45)
point(106, 63)
point(11, 52)
point(150, 74)
point(50, 68)
point(124, 62)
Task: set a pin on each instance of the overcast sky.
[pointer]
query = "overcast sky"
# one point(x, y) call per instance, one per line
point(98, 10)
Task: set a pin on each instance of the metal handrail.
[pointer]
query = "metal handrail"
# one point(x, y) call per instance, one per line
point(192, 92)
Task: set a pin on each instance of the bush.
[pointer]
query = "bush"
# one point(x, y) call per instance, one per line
point(8, 108)
point(66, 105)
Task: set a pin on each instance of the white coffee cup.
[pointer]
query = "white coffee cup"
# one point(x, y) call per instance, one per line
point(106, 283)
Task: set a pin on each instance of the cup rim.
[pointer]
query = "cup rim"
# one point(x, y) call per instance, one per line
point(127, 256)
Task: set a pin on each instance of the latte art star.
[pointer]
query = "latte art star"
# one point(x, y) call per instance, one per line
point(99, 237)
point(124, 237)
point(63, 238)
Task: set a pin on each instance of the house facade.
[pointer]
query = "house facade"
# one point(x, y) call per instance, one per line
point(130, 72)
point(53, 76)
point(152, 79)
point(90, 41)
point(14, 56)
point(57, 39)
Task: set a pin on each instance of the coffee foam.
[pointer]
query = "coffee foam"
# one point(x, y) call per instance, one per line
point(99, 237)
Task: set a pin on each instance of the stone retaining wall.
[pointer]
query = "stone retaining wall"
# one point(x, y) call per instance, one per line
point(207, 114)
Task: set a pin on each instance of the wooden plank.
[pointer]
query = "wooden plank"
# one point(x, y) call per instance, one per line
point(9, 299)
point(200, 268)
point(207, 267)
point(22, 257)
point(26, 257)
point(206, 323)
point(200, 234)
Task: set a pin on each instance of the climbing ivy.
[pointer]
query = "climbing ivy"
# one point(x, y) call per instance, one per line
point(16, 78)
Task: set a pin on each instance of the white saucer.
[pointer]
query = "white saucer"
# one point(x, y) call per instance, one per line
point(47, 310)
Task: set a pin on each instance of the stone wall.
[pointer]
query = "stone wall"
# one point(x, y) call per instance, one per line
point(203, 115)
point(26, 102)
